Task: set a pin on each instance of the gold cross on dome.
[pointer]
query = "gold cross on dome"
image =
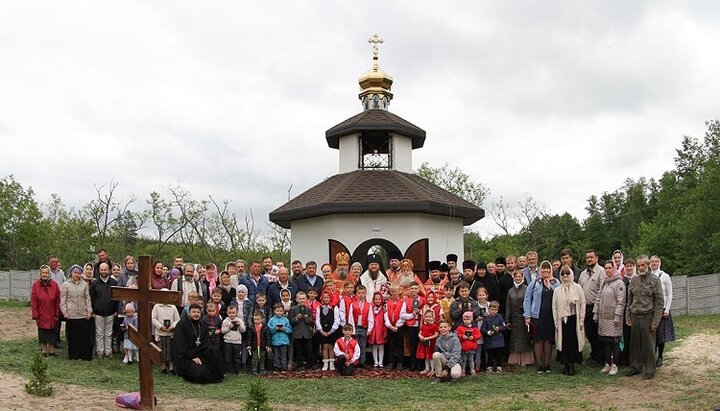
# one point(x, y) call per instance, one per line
point(375, 40)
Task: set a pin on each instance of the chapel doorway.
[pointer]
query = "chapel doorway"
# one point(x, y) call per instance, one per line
point(418, 252)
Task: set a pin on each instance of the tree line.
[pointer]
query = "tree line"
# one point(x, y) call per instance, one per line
point(676, 217)
point(167, 224)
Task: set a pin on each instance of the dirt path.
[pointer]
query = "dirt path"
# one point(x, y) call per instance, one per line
point(16, 324)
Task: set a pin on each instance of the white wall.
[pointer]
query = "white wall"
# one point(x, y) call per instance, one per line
point(402, 153)
point(348, 153)
point(310, 236)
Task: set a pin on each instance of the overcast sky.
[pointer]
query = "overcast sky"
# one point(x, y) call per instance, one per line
point(558, 100)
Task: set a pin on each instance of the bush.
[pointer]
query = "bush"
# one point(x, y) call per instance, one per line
point(39, 383)
point(258, 398)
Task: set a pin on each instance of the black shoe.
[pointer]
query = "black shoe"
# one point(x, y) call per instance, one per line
point(172, 372)
point(659, 362)
point(58, 345)
point(399, 367)
point(164, 371)
point(566, 370)
point(648, 376)
point(632, 372)
point(572, 370)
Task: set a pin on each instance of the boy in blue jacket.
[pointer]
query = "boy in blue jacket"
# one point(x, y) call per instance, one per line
point(280, 329)
point(492, 329)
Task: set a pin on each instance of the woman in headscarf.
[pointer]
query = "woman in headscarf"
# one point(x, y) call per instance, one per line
point(569, 316)
point(244, 311)
point(228, 292)
point(608, 312)
point(538, 311)
point(521, 350)
point(665, 330)
point(195, 358)
point(77, 309)
point(45, 307)
point(211, 276)
point(618, 260)
point(129, 272)
point(356, 270)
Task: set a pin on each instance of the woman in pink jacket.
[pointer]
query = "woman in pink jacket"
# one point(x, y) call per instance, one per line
point(608, 313)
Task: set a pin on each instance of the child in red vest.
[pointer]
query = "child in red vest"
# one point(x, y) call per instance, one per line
point(347, 298)
point(347, 352)
point(395, 318)
point(334, 294)
point(414, 303)
point(377, 337)
point(362, 319)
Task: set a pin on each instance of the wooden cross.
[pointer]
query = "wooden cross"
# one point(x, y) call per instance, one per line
point(142, 337)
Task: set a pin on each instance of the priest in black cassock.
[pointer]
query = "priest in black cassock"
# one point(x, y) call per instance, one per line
point(196, 360)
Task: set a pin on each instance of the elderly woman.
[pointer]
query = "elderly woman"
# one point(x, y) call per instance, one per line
point(77, 310)
point(608, 312)
point(666, 329)
point(538, 311)
point(569, 316)
point(356, 270)
point(521, 350)
point(45, 306)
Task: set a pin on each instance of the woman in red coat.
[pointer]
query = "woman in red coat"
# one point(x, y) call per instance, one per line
point(45, 306)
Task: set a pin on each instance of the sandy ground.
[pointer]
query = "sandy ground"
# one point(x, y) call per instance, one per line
point(685, 374)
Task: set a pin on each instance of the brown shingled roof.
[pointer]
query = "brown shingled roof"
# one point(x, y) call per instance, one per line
point(375, 191)
point(376, 120)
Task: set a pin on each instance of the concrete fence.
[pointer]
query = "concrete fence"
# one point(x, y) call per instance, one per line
point(691, 295)
point(696, 295)
point(15, 285)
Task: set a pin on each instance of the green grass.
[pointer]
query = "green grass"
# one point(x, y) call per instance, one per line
point(516, 389)
point(14, 304)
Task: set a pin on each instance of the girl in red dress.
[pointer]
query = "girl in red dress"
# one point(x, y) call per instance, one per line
point(429, 331)
point(378, 335)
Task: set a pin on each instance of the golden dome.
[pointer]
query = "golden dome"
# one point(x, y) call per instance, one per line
point(375, 84)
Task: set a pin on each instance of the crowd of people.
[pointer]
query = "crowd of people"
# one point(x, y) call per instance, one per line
point(261, 316)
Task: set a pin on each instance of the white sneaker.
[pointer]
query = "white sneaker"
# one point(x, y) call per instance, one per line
point(498, 369)
point(125, 360)
point(326, 365)
point(332, 365)
point(489, 369)
point(605, 369)
point(613, 370)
